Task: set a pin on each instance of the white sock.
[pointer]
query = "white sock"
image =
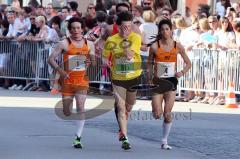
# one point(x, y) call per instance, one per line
point(166, 130)
point(80, 125)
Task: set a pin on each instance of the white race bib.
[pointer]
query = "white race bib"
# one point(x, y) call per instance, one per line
point(77, 62)
point(165, 69)
point(124, 66)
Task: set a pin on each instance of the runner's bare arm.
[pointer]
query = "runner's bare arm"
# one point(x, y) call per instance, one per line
point(106, 53)
point(186, 60)
point(92, 52)
point(144, 44)
point(57, 51)
point(152, 52)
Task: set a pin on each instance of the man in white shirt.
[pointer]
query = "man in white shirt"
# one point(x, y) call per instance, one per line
point(26, 13)
point(220, 8)
point(65, 15)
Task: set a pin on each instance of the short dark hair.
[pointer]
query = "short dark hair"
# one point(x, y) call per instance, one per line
point(75, 19)
point(101, 16)
point(66, 7)
point(73, 5)
point(138, 8)
point(124, 16)
point(122, 5)
point(56, 20)
point(28, 10)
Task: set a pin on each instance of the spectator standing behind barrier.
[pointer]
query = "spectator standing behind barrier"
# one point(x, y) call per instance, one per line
point(147, 4)
point(192, 33)
point(226, 36)
point(45, 33)
point(12, 30)
point(73, 7)
point(188, 15)
point(166, 13)
point(220, 8)
point(236, 27)
point(95, 33)
point(226, 40)
point(26, 13)
point(231, 14)
point(90, 17)
point(180, 25)
point(3, 23)
point(55, 24)
point(149, 30)
point(34, 30)
point(49, 12)
point(40, 11)
point(33, 3)
point(158, 4)
point(16, 5)
point(137, 12)
point(22, 25)
point(206, 40)
point(65, 16)
point(214, 28)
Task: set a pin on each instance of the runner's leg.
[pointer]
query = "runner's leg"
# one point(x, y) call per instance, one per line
point(169, 99)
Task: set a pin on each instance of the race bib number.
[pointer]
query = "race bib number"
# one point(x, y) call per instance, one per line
point(77, 62)
point(165, 69)
point(124, 66)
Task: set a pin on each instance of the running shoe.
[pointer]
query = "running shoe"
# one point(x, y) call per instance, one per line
point(166, 147)
point(125, 144)
point(77, 143)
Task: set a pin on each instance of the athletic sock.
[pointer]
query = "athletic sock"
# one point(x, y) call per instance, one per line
point(80, 125)
point(166, 130)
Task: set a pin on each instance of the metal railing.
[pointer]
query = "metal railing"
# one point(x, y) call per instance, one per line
point(212, 70)
point(28, 61)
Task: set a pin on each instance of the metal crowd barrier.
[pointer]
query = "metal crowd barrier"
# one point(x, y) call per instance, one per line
point(20, 60)
point(27, 60)
point(212, 71)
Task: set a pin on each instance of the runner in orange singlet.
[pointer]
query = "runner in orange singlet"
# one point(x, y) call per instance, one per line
point(164, 53)
point(78, 53)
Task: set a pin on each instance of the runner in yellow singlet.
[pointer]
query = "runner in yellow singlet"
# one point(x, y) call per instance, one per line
point(124, 50)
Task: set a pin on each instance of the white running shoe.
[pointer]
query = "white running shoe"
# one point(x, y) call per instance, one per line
point(166, 147)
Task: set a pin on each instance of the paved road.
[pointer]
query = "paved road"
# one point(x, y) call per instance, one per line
point(30, 129)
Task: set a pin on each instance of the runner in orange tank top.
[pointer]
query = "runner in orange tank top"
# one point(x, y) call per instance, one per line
point(78, 54)
point(75, 67)
point(163, 55)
